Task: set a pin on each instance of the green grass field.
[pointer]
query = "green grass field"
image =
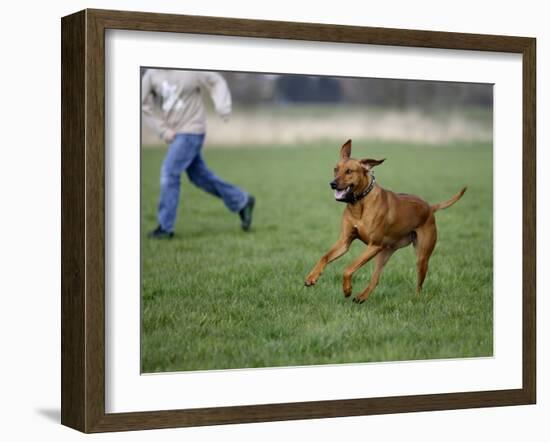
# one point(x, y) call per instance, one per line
point(215, 297)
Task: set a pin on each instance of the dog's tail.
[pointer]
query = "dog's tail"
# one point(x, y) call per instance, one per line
point(448, 203)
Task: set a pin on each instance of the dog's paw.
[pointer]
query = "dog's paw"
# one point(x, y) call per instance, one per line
point(358, 300)
point(311, 278)
point(310, 282)
point(346, 287)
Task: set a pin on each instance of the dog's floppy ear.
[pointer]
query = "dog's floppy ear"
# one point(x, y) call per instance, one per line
point(345, 151)
point(369, 163)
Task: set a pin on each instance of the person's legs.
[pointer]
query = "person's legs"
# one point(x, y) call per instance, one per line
point(234, 198)
point(181, 153)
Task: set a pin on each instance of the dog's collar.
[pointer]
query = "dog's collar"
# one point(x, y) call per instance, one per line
point(364, 193)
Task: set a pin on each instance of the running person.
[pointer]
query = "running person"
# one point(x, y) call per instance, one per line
point(181, 123)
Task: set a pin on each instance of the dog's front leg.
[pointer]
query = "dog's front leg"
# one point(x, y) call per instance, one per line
point(338, 249)
point(366, 256)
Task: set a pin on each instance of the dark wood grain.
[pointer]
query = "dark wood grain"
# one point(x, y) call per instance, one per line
point(309, 410)
point(529, 220)
point(73, 253)
point(95, 221)
point(83, 220)
point(143, 21)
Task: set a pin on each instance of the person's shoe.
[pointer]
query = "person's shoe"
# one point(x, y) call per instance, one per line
point(246, 213)
point(160, 233)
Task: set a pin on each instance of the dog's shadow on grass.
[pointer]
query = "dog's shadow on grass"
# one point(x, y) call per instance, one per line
point(376, 301)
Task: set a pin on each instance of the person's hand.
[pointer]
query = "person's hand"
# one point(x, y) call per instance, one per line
point(169, 136)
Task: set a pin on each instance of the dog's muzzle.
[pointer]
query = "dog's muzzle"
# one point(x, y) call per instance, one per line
point(342, 195)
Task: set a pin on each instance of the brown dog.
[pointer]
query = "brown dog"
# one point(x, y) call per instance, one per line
point(384, 220)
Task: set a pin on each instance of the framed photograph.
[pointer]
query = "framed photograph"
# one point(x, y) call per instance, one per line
point(268, 221)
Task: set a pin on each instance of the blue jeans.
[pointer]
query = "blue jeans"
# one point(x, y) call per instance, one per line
point(184, 154)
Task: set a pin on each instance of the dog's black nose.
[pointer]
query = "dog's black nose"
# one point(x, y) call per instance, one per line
point(333, 184)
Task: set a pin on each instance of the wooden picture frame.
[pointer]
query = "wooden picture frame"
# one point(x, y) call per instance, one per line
point(83, 220)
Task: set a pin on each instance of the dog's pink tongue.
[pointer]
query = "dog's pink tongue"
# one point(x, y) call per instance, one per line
point(339, 193)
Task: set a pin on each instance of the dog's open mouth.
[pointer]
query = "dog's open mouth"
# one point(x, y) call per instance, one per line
point(342, 195)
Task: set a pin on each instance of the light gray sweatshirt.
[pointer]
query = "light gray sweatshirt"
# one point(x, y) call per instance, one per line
point(179, 95)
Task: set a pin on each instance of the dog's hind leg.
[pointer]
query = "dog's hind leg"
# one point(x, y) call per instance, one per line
point(426, 237)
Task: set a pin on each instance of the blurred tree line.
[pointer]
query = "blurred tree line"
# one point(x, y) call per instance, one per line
point(257, 89)
point(253, 89)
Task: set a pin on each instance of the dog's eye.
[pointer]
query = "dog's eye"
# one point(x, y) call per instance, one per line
point(348, 171)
